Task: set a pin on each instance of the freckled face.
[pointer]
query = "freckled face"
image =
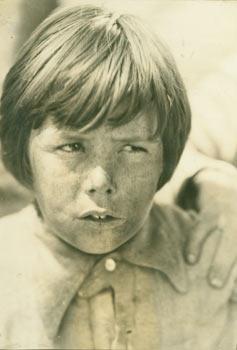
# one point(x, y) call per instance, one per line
point(95, 188)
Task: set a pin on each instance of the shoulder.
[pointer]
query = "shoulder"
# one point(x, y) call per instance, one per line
point(15, 227)
point(17, 239)
point(18, 267)
point(18, 260)
point(25, 215)
point(174, 218)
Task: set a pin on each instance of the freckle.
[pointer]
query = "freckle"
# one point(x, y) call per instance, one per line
point(135, 299)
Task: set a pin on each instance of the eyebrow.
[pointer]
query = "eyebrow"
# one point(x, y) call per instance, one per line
point(134, 138)
point(71, 133)
point(75, 134)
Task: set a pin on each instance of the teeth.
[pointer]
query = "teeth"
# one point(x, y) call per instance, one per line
point(102, 217)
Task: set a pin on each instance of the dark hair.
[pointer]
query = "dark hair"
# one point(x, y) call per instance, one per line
point(78, 66)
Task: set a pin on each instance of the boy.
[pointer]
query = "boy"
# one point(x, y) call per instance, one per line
point(94, 120)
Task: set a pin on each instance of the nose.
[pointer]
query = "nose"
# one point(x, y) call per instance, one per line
point(98, 181)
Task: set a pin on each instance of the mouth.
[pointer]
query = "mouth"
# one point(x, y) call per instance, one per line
point(100, 217)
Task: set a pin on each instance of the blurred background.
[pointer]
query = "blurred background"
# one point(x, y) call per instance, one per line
point(203, 38)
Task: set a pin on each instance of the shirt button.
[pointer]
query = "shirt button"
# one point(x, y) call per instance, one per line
point(110, 264)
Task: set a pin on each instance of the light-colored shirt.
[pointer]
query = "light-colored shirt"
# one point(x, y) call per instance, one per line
point(141, 296)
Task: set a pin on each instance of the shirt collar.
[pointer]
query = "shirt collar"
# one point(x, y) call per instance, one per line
point(58, 280)
point(160, 247)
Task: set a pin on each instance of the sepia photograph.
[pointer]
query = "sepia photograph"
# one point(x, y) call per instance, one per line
point(118, 174)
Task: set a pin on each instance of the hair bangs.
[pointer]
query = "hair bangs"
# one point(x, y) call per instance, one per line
point(113, 78)
point(84, 66)
point(100, 69)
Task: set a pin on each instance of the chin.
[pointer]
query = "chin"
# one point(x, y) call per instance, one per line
point(101, 245)
point(98, 249)
point(93, 239)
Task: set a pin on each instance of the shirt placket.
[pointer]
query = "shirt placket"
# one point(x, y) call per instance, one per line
point(111, 283)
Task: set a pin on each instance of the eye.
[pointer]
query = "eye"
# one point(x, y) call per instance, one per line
point(134, 149)
point(72, 147)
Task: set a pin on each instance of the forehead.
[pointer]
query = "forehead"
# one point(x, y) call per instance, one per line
point(142, 127)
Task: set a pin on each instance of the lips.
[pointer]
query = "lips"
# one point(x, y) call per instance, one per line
point(99, 216)
point(101, 219)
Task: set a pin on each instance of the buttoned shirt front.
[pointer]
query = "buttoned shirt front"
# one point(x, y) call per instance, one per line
point(141, 296)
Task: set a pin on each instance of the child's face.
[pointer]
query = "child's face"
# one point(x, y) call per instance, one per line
point(95, 188)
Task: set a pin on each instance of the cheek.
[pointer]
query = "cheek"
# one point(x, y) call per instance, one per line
point(138, 182)
point(53, 181)
point(143, 174)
